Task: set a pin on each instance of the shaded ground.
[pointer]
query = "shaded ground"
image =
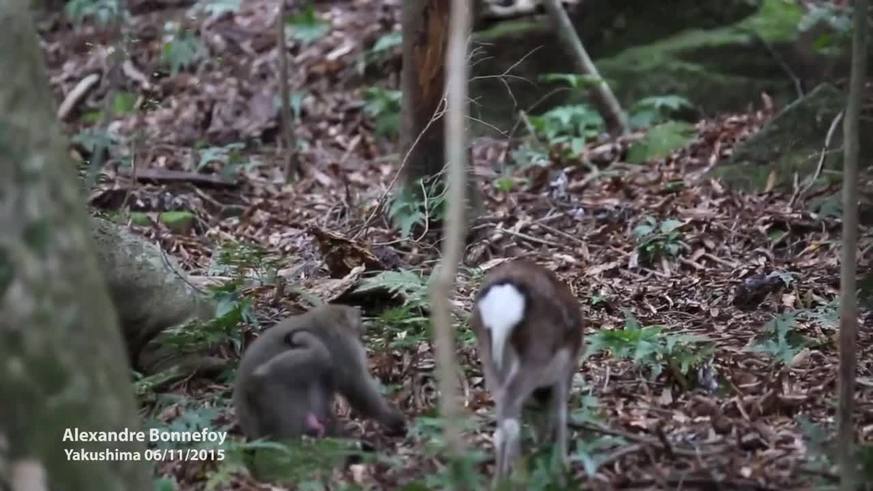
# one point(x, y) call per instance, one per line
point(747, 433)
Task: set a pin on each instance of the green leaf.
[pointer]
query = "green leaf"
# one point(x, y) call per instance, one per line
point(307, 27)
point(661, 141)
point(215, 8)
point(387, 42)
point(670, 225)
point(574, 80)
point(123, 103)
point(181, 52)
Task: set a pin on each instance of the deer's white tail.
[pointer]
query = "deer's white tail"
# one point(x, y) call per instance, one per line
point(501, 309)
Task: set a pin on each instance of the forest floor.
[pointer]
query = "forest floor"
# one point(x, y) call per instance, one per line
point(744, 417)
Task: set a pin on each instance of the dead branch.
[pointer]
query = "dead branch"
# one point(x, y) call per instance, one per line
point(77, 95)
point(604, 99)
point(166, 175)
point(453, 245)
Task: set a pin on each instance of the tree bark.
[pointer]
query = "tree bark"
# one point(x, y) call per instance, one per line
point(848, 291)
point(601, 94)
point(425, 33)
point(62, 360)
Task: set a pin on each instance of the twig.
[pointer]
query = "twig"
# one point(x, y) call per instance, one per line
point(618, 454)
point(821, 160)
point(798, 86)
point(647, 440)
point(438, 113)
point(530, 238)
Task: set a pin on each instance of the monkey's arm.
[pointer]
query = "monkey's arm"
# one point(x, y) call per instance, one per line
point(362, 391)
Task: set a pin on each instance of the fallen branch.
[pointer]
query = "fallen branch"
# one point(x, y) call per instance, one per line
point(166, 175)
point(798, 195)
point(647, 440)
point(77, 95)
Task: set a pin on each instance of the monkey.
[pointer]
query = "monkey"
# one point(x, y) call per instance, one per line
point(288, 377)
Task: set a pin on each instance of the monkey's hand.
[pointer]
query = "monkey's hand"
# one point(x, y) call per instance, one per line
point(394, 422)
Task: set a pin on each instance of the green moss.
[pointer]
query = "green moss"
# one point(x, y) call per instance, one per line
point(178, 221)
point(717, 69)
point(7, 271)
point(776, 21)
point(37, 236)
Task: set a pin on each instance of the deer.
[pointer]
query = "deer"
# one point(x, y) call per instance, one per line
point(528, 328)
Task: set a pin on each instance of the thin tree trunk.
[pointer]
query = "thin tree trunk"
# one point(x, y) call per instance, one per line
point(848, 291)
point(62, 361)
point(453, 244)
point(604, 99)
point(425, 32)
point(288, 145)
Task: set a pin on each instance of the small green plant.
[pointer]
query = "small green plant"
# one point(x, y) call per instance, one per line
point(408, 324)
point(592, 452)
point(124, 103)
point(504, 184)
point(657, 239)
point(101, 11)
point(411, 208)
point(660, 141)
point(229, 156)
point(214, 8)
point(530, 154)
point(572, 126)
point(781, 340)
point(166, 484)
point(306, 463)
point(574, 80)
point(182, 50)
point(306, 26)
point(244, 261)
point(96, 141)
point(652, 348)
point(658, 109)
point(837, 24)
point(232, 309)
point(381, 50)
point(383, 107)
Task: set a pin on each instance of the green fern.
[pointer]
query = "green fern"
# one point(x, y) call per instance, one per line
point(652, 348)
point(409, 285)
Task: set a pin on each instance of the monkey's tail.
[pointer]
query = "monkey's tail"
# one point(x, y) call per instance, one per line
point(502, 309)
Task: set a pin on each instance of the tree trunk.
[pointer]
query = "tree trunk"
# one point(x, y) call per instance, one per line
point(62, 360)
point(848, 291)
point(425, 25)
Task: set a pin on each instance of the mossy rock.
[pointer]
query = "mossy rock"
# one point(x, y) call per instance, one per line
point(719, 67)
point(791, 144)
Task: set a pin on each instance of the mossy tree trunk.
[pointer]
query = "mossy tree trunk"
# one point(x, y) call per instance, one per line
point(425, 32)
point(62, 360)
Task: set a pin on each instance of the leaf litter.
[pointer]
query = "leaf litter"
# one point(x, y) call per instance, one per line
point(748, 273)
